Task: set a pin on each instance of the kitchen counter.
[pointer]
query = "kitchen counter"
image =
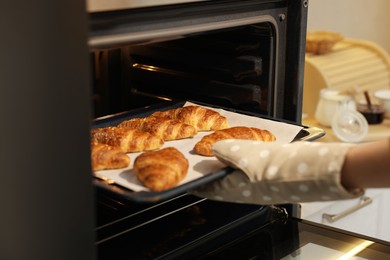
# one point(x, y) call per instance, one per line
point(368, 219)
point(375, 132)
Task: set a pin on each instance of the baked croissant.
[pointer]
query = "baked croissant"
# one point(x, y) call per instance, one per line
point(203, 119)
point(204, 146)
point(129, 140)
point(167, 129)
point(162, 169)
point(104, 157)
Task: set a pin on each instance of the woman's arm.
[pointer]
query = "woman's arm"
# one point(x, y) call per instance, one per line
point(367, 166)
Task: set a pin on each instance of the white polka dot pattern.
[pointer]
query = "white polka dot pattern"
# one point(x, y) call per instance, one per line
point(235, 148)
point(264, 153)
point(243, 162)
point(323, 151)
point(303, 188)
point(267, 198)
point(333, 166)
point(246, 193)
point(273, 173)
point(295, 198)
point(302, 168)
point(242, 184)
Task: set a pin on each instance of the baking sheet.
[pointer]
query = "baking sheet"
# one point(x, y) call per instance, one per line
point(200, 166)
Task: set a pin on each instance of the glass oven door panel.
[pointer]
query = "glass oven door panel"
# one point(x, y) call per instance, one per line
point(322, 242)
point(299, 240)
point(159, 230)
point(231, 68)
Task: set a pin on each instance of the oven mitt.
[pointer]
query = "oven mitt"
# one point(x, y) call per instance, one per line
point(276, 173)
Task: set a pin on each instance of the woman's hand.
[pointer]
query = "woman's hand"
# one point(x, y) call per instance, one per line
point(275, 173)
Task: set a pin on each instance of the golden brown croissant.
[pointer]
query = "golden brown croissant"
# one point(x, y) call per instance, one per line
point(128, 139)
point(203, 119)
point(104, 157)
point(204, 146)
point(167, 129)
point(162, 169)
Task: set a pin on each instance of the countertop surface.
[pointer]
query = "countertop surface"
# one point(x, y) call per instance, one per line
point(375, 132)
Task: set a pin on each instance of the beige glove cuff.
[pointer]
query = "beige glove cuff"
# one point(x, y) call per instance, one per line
point(281, 173)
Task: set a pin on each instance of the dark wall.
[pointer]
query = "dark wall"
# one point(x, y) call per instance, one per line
point(46, 195)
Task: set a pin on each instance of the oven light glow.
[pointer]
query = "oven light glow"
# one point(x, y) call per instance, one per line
point(144, 67)
point(356, 250)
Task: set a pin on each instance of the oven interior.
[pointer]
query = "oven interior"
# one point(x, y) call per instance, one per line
point(229, 68)
point(250, 62)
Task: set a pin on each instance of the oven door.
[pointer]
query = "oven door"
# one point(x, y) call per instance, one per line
point(185, 227)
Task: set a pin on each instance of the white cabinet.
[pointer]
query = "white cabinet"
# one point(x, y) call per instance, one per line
point(369, 215)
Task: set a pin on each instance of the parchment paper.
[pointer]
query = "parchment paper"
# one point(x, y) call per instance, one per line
point(201, 165)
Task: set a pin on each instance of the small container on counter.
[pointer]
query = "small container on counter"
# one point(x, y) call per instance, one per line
point(349, 126)
point(331, 101)
point(374, 113)
point(383, 96)
point(338, 111)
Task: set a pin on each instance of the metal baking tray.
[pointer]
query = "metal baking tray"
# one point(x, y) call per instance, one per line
point(307, 133)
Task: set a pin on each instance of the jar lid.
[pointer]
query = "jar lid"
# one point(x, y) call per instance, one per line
point(349, 126)
point(334, 95)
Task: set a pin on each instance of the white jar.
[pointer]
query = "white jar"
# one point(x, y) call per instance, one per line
point(384, 97)
point(330, 102)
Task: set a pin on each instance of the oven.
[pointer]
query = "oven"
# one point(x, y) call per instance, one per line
point(243, 56)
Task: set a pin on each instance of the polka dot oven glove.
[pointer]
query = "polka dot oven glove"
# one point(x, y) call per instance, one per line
point(275, 173)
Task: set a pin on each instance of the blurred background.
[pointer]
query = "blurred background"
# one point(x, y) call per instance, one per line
point(360, 19)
